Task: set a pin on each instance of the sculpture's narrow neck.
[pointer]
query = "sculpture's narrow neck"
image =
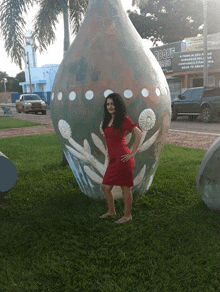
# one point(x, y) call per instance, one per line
point(97, 4)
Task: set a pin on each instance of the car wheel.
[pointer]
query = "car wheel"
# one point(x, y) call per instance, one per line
point(206, 115)
point(174, 115)
point(17, 110)
point(192, 118)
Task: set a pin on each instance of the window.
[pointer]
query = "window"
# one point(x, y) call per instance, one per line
point(32, 97)
point(197, 93)
point(186, 94)
point(212, 92)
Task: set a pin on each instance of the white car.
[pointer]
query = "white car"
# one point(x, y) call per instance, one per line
point(30, 103)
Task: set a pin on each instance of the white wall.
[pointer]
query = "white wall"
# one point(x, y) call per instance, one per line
point(46, 72)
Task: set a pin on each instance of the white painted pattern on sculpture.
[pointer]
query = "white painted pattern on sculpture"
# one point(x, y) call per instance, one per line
point(60, 96)
point(89, 95)
point(72, 95)
point(145, 92)
point(157, 91)
point(107, 92)
point(128, 93)
point(147, 119)
point(64, 129)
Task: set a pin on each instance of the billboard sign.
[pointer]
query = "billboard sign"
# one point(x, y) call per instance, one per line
point(193, 61)
point(197, 43)
point(164, 55)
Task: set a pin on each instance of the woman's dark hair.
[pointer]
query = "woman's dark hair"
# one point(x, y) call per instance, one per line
point(120, 111)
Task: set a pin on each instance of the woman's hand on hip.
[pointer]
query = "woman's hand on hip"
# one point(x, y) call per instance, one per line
point(126, 157)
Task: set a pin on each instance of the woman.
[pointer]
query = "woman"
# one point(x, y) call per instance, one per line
point(121, 161)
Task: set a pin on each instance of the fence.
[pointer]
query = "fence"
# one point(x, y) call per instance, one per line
point(2, 97)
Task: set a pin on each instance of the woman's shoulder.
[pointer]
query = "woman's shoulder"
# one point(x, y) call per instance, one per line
point(127, 119)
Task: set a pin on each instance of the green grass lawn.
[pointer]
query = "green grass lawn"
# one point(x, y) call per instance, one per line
point(52, 238)
point(8, 122)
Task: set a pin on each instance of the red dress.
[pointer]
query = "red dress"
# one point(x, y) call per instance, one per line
point(119, 173)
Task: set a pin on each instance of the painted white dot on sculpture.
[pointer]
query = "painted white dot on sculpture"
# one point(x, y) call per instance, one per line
point(157, 91)
point(72, 95)
point(89, 95)
point(145, 92)
point(107, 92)
point(52, 96)
point(60, 95)
point(128, 93)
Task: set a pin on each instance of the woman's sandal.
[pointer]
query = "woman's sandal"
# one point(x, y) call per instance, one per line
point(107, 214)
point(125, 218)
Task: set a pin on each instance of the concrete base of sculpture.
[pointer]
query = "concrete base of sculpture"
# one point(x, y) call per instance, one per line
point(8, 174)
point(208, 177)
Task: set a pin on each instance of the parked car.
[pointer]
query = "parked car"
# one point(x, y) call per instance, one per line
point(30, 103)
point(200, 101)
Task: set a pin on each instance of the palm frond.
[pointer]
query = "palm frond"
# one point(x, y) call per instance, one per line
point(77, 9)
point(45, 22)
point(12, 26)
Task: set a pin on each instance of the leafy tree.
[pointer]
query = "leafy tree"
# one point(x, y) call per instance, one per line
point(173, 20)
point(2, 75)
point(213, 18)
point(12, 84)
point(20, 76)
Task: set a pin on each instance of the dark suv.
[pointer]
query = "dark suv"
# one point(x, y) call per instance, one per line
point(200, 101)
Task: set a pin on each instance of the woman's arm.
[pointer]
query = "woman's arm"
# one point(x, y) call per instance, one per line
point(138, 135)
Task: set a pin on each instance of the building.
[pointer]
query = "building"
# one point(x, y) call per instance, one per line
point(37, 80)
point(183, 63)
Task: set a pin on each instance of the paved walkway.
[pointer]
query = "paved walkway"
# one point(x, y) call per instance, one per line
point(37, 118)
point(175, 137)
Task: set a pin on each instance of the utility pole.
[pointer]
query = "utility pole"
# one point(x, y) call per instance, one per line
point(5, 80)
point(205, 69)
point(28, 63)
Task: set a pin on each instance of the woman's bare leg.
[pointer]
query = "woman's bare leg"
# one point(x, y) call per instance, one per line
point(128, 198)
point(109, 199)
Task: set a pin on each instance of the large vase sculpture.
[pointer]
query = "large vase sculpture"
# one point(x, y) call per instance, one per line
point(8, 174)
point(208, 177)
point(108, 56)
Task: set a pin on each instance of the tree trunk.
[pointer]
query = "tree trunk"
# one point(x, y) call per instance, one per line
point(65, 4)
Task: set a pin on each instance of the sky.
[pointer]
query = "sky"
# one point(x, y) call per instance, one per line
point(54, 53)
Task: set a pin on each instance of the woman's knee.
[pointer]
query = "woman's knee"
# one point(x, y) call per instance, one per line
point(106, 188)
point(125, 189)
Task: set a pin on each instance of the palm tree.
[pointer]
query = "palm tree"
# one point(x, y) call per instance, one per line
point(12, 24)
